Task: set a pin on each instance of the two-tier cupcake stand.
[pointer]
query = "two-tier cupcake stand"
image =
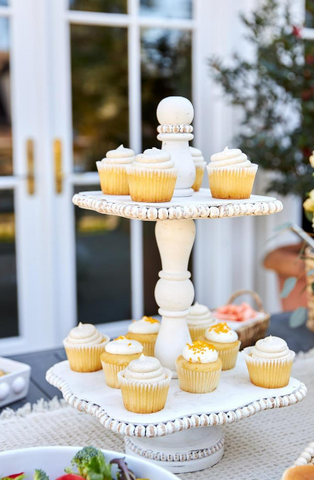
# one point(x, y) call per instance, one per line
point(188, 448)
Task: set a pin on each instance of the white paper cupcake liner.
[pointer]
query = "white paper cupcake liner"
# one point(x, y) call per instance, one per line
point(139, 397)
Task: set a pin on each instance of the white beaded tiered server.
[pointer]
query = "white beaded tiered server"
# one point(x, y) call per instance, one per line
point(235, 398)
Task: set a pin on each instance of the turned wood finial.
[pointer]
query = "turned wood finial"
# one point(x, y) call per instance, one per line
point(175, 111)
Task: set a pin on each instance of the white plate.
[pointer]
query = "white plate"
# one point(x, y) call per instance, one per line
point(53, 460)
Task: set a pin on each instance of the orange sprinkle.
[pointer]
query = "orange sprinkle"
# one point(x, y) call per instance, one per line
point(220, 328)
point(120, 338)
point(129, 344)
point(150, 319)
point(199, 347)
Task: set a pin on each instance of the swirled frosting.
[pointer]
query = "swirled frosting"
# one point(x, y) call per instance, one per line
point(120, 155)
point(85, 334)
point(144, 326)
point(197, 156)
point(233, 158)
point(199, 352)
point(153, 158)
point(199, 315)
point(145, 370)
point(221, 333)
point(271, 348)
point(124, 346)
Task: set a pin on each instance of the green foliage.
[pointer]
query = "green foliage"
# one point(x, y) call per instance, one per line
point(277, 84)
point(40, 475)
point(91, 464)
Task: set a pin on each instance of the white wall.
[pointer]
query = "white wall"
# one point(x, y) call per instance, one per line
point(230, 251)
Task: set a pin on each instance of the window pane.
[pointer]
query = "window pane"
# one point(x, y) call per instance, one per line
point(6, 164)
point(165, 8)
point(309, 14)
point(166, 70)
point(105, 6)
point(8, 281)
point(102, 266)
point(99, 92)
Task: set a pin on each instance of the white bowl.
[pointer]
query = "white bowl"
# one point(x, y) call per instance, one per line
point(53, 461)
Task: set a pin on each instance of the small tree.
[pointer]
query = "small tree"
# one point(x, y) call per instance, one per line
point(274, 90)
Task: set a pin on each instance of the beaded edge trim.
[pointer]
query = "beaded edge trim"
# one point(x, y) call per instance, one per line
point(175, 128)
point(176, 457)
point(179, 424)
point(306, 457)
point(176, 213)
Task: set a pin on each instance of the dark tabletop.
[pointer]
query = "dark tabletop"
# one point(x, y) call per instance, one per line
point(298, 339)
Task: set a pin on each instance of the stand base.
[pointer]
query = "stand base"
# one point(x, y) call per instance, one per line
point(182, 452)
point(183, 192)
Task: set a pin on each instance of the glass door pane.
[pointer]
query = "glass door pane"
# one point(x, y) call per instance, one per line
point(8, 281)
point(99, 64)
point(103, 266)
point(100, 112)
point(166, 8)
point(6, 156)
point(104, 6)
point(166, 70)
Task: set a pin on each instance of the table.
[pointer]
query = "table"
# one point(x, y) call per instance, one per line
point(298, 339)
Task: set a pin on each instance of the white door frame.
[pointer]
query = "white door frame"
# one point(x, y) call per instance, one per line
point(30, 215)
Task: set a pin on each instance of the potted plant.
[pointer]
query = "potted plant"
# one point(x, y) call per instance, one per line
point(275, 91)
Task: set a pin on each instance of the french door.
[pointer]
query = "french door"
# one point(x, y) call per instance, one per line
point(86, 76)
point(25, 314)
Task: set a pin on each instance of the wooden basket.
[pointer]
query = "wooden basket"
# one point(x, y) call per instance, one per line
point(255, 330)
point(309, 265)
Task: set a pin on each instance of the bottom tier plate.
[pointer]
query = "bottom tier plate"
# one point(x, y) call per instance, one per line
point(234, 399)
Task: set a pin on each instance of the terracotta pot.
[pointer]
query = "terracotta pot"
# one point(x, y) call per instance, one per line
point(286, 263)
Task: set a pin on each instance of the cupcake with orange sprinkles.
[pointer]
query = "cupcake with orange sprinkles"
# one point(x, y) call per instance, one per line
point(117, 356)
point(145, 331)
point(199, 368)
point(225, 341)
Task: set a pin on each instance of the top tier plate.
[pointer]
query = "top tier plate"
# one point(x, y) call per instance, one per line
point(200, 205)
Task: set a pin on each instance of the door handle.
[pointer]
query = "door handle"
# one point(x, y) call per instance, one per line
point(57, 153)
point(30, 166)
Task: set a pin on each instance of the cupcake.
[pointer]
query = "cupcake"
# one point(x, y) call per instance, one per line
point(144, 385)
point(152, 177)
point(145, 331)
point(231, 174)
point(112, 171)
point(198, 368)
point(269, 362)
point(199, 320)
point(225, 341)
point(84, 346)
point(200, 164)
point(117, 355)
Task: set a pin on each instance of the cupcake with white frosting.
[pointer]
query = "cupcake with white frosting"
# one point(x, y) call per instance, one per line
point(144, 385)
point(269, 362)
point(84, 346)
point(146, 332)
point(200, 165)
point(152, 176)
point(199, 320)
point(231, 174)
point(225, 341)
point(117, 355)
point(199, 368)
point(112, 171)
